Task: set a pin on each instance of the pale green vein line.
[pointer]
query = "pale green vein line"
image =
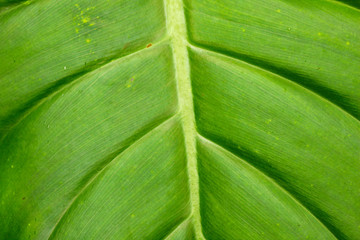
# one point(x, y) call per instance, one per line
point(82, 76)
point(343, 4)
point(180, 225)
point(176, 27)
point(269, 178)
point(94, 177)
point(11, 7)
point(206, 50)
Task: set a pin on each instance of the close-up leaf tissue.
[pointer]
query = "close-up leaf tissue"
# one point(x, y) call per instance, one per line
point(180, 120)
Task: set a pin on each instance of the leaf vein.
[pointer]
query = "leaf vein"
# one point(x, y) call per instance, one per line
point(322, 98)
point(61, 84)
point(107, 165)
point(295, 199)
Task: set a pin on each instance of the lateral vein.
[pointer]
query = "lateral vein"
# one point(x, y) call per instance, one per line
point(100, 171)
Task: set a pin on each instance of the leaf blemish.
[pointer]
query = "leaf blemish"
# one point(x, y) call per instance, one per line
point(149, 45)
point(85, 19)
point(130, 82)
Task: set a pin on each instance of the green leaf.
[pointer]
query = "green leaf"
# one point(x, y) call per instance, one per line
point(179, 120)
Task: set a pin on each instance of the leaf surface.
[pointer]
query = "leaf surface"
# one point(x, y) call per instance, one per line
point(194, 119)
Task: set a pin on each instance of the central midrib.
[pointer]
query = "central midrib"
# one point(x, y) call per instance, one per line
point(176, 27)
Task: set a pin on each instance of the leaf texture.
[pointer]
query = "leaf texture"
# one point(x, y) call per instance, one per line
point(179, 120)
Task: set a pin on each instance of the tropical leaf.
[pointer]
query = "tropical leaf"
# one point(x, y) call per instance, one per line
point(202, 119)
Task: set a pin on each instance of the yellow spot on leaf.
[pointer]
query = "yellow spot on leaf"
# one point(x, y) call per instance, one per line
point(319, 34)
point(85, 19)
point(243, 29)
point(88, 40)
point(278, 10)
point(76, 30)
point(348, 43)
point(132, 215)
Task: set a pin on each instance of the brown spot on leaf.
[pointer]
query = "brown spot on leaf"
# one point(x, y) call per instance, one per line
point(149, 45)
point(126, 45)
